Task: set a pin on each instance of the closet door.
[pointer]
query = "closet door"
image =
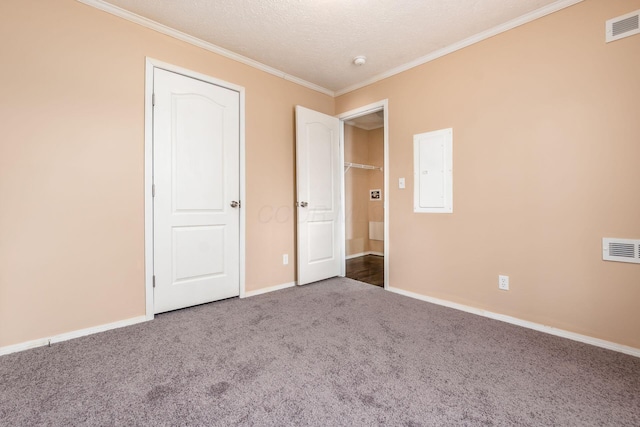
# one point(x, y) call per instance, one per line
point(196, 173)
point(318, 200)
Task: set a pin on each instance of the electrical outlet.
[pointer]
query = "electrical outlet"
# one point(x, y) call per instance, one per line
point(285, 259)
point(400, 182)
point(503, 282)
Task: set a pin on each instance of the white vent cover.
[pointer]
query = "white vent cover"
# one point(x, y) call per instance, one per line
point(623, 26)
point(622, 250)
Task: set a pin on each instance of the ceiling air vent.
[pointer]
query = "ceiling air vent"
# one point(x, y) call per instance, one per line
point(623, 26)
point(622, 250)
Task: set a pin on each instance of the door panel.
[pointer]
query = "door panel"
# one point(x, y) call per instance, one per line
point(199, 166)
point(321, 169)
point(198, 252)
point(196, 177)
point(318, 182)
point(320, 241)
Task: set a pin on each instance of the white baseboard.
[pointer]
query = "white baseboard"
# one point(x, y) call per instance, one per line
point(364, 254)
point(524, 323)
point(358, 255)
point(70, 335)
point(101, 328)
point(269, 289)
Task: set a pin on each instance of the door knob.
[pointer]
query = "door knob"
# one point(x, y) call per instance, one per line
point(235, 204)
point(304, 204)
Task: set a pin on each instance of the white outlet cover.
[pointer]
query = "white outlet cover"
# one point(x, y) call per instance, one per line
point(503, 282)
point(401, 183)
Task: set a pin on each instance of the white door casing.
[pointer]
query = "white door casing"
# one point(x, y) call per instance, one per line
point(196, 179)
point(383, 106)
point(318, 174)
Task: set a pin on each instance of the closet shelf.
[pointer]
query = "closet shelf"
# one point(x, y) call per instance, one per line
point(350, 165)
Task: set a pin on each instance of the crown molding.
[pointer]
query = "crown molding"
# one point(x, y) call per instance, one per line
point(145, 22)
point(521, 20)
point(156, 26)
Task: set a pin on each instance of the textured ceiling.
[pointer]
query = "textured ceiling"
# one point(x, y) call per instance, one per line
point(316, 40)
point(368, 121)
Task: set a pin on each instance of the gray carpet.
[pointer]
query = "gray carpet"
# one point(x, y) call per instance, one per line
point(338, 352)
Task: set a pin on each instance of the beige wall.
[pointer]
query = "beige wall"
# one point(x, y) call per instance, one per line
point(545, 122)
point(375, 139)
point(71, 165)
point(356, 183)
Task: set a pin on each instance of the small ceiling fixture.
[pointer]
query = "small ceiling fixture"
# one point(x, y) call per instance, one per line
point(359, 60)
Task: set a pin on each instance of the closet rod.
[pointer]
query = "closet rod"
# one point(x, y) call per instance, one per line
point(350, 165)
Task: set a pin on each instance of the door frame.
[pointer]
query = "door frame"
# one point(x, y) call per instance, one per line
point(383, 106)
point(150, 65)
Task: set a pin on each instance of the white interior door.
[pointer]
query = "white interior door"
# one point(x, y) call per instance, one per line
point(318, 172)
point(196, 183)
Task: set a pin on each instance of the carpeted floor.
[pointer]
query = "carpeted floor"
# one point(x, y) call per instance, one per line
point(337, 352)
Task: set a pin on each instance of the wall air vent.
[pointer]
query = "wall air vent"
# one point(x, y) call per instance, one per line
point(623, 26)
point(622, 250)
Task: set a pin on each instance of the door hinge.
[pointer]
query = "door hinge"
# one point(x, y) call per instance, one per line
point(153, 190)
point(153, 100)
point(154, 280)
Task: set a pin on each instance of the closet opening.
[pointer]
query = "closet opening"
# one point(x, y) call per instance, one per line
point(364, 151)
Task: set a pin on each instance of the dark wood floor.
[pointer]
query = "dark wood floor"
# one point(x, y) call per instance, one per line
point(368, 269)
